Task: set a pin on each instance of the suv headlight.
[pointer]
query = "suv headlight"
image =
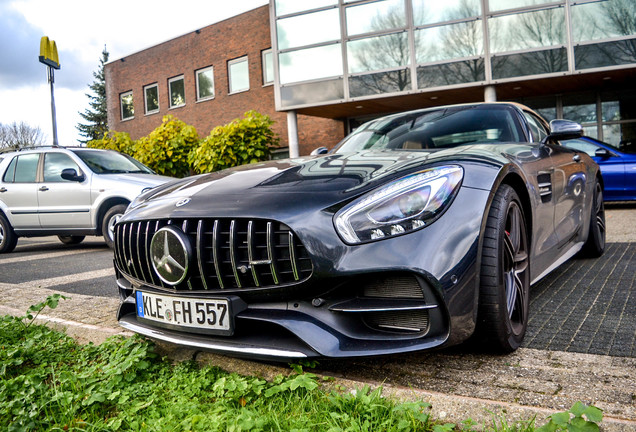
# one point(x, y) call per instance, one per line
point(400, 207)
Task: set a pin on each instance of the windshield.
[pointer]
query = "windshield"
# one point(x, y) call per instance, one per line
point(436, 129)
point(110, 162)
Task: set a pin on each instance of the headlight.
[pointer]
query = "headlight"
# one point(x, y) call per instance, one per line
point(402, 206)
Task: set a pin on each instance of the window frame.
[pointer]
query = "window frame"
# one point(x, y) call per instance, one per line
point(196, 79)
point(170, 81)
point(230, 63)
point(146, 110)
point(264, 53)
point(121, 105)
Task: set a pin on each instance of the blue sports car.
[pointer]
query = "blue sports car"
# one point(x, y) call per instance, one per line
point(618, 168)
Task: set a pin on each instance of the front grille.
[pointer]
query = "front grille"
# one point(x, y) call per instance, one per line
point(229, 253)
point(398, 321)
point(402, 286)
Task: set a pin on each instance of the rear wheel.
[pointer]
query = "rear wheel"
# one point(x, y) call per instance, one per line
point(111, 218)
point(71, 239)
point(504, 296)
point(595, 244)
point(8, 239)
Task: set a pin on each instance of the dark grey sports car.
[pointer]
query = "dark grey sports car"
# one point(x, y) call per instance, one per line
point(417, 231)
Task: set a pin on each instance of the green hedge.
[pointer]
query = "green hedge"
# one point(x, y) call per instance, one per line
point(174, 148)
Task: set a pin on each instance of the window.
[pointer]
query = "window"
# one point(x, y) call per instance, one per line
point(205, 83)
point(176, 88)
point(151, 98)
point(54, 163)
point(127, 107)
point(268, 66)
point(23, 169)
point(238, 73)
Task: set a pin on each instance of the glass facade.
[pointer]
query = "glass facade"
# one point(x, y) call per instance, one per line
point(342, 50)
point(609, 116)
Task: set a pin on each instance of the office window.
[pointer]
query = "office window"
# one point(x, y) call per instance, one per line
point(151, 98)
point(205, 83)
point(127, 107)
point(308, 29)
point(238, 75)
point(176, 87)
point(268, 66)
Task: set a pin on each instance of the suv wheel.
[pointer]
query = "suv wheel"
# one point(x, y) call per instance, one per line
point(71, 239)
point(8, 239)
point(108, 223)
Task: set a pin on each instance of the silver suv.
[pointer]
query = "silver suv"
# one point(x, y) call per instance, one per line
point(68, 192)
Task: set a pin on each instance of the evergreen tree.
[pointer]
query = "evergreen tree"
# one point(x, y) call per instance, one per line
point(96, 116)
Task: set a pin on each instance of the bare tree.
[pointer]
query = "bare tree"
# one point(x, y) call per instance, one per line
point(18, 135)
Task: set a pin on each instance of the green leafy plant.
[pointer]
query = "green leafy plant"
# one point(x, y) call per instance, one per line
point(242, 141)
point(118, 141)
point(579, 418)
point(166, 149)
point(50, 383)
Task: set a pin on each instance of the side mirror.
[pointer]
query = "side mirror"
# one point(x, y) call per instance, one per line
point(564, 130)
point(319, 151)
point(602, 153)
point(71, 175)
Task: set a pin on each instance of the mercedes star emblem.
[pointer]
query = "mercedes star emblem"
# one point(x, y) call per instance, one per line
point(170, 254)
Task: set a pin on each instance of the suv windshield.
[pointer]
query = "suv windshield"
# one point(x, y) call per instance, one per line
point(435, 129)
point(110, 162)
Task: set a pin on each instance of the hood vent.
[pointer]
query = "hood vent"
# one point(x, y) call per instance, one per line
point(226, 253)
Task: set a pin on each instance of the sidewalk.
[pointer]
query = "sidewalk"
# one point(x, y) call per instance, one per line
point(458, 383)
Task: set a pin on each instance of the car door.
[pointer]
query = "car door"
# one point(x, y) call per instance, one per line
point(569, 186)
point(18, 191)
point(63, 203)
point(566, 182)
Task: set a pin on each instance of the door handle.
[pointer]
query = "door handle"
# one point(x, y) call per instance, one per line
point(576, 158)
point(3, 189)
point(44, 189)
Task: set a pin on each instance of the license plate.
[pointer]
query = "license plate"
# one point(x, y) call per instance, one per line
point(210, 315)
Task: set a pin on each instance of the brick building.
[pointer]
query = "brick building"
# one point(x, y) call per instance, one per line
point(206, 78)
point(321, 67)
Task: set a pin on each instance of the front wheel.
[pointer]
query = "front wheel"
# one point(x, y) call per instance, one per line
point(111, 218)
point(8, 239)
point(504, 296)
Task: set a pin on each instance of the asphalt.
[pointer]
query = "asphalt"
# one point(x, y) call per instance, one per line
point(580, 346)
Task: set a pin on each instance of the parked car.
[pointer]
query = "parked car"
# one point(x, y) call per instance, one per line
point(417, 231)
point(68, 192)
point(618, 168)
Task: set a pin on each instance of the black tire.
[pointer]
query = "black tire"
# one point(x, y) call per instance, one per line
point(595, 244)
point(71, 239)
point(108, 223)
point(504, 295)
point(8, 239)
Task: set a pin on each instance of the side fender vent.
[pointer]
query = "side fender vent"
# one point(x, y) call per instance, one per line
point(545, 187)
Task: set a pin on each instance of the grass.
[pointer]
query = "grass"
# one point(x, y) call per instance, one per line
point(50, 383)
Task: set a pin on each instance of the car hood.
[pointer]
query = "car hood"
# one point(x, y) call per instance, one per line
point(133, 179)
point(265, 189)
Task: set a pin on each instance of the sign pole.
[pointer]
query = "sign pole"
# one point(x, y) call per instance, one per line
point(52, 81)
point(48, 56)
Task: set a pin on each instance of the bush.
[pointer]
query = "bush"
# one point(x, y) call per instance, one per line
point(166, 148)
point(118, 141)
point(242, 141)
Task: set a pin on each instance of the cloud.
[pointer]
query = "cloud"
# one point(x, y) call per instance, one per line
point(19, 51)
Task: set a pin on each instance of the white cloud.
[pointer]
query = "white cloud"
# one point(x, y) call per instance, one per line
point(80, 29)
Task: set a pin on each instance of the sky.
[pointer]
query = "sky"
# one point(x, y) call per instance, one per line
point(81, 29)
